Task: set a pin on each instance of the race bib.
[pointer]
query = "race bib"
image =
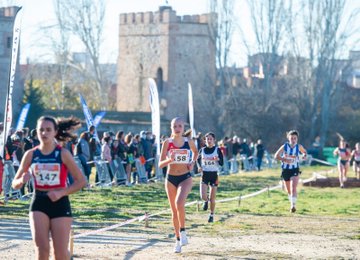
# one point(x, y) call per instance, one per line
point(47, 174)
point(182, 156)
point(290, 159)
point(209, 164)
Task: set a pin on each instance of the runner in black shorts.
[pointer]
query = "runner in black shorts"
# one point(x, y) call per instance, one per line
point(49, 163)
point(178, 154)
point(289, 154)
point(209, 161)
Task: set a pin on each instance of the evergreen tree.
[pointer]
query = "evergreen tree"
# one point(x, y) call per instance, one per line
point(33, 96)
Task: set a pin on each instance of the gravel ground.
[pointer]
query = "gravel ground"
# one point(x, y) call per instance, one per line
point(230, 237)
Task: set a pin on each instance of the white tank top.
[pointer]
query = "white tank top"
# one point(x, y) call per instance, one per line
point(208, 163)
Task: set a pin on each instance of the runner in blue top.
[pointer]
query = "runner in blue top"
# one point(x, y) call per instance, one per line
point(289, 154)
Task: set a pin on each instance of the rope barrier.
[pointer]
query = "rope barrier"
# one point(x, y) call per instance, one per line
point(147, 216)
point(322, 161)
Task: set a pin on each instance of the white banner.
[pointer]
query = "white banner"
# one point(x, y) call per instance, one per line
point(8, 114)
point(155, 113)
point(191, 110)
point(22, 117)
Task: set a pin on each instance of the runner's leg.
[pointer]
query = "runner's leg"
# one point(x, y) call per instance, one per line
point(40, 225)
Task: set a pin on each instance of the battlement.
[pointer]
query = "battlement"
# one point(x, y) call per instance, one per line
point(8, 11)
point(164, 15)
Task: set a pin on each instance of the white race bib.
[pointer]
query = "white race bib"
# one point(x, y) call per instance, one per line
point(47, 174)
point(182, 156)
point(290, 159)
point(210, 165)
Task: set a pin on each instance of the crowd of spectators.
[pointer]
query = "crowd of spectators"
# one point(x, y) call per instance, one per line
point(239, 154)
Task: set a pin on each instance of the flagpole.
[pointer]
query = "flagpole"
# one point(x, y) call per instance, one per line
point(11, 78)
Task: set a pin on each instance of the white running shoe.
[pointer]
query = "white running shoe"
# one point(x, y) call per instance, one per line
point(177, 248)
point(183, 238)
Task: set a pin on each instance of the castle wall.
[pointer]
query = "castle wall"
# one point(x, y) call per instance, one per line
point(180, 46)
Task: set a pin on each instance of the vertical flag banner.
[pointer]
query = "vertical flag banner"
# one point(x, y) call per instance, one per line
point(155, 113)
point(22, 117)
point(10, 87)
point(191, 110)
point(98, 117)
point(88, 117)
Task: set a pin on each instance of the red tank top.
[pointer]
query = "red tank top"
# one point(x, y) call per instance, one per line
point(48, 170)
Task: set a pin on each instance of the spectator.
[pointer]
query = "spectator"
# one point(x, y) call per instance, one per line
point(106, 153)
point(147, 145)
point(244, 153)
point(82, 151)
point(260, 150)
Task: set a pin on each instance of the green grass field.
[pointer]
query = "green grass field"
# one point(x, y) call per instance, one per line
point(120, 203)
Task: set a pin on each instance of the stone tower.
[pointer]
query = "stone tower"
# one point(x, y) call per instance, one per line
point(7, 15)
point(174, 50)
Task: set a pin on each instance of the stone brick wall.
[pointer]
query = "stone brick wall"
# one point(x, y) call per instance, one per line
point(180, 46)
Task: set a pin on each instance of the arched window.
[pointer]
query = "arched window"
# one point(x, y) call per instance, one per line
point(159, 79)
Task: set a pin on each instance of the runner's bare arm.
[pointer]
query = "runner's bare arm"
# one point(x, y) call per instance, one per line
point(22, 175)
point(303, 151)
point(195, 154)
point(164, 160)
point(278, 153)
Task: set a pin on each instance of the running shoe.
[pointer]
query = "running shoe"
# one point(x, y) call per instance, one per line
point(293, 209)
point(205, 205)
point(211, 218)
point(183, 238)
point(177, 248)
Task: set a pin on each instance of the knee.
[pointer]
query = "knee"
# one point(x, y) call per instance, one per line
point(180, 205)
point(204, 196)
point(61, 254)
point(43, 251)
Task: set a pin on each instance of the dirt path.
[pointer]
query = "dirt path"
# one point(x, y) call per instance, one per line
point(230, 237)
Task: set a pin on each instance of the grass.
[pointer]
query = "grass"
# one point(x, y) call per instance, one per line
point(112, 204)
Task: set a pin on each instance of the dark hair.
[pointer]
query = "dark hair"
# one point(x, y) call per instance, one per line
point(85, 135)
point(106, 139)
point(119, 134)
point(211, 134)
point(91, 128)
point(33, 133)
point(292, 132)
point(63, 126)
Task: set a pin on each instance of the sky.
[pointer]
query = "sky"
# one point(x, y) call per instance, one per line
point(37, 13)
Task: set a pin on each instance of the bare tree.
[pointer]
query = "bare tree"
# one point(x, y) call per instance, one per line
point(85, 20)
point(222, 30)
point(269, 19)
point(327, 32)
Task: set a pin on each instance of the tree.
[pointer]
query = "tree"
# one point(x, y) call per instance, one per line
point(222, 29)
point(33, 96)
point(327, 33)
point(269, 20)
point(85, 20)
